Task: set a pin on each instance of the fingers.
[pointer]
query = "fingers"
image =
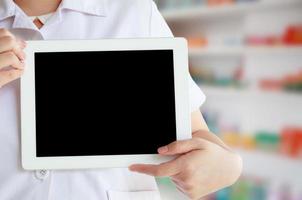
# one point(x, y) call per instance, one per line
point(162, 170)
point(18, 50)
point(12, 56)
point(184, 146)
point(7, 76)
point(10, 59)
point(4, 32)
point(8, 43)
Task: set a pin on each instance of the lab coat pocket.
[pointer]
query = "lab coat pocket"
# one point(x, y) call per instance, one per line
point(137, 195)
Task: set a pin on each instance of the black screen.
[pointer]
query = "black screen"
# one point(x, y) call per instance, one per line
point(104, 103)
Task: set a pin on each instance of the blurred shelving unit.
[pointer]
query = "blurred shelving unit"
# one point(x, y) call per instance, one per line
point(260, 164)
point(253, 108)
point(208, 12)
point(216, 51)
point(241, 51)
point(231, 92)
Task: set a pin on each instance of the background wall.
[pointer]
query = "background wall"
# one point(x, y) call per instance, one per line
point(246, 55)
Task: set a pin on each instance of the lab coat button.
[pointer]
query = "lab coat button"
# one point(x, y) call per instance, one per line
point(42, 174)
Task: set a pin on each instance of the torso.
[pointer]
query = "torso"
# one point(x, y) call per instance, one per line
point(15, 183)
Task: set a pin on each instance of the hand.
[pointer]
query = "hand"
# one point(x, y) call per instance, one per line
point(11, 57)
point(201, 167)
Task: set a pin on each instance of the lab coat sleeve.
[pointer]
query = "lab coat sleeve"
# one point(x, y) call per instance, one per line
point(159, 28)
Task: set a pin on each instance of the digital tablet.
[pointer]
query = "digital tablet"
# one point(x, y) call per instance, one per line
point(103, 103)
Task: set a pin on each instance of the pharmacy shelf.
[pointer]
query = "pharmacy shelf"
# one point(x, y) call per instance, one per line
point(240, 51)
point(272, 167)
point(284, 50)
point(216, 51)
point(213, 91)
point(205, 12)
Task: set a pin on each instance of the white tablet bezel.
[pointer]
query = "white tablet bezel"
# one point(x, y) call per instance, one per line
point(28, 121)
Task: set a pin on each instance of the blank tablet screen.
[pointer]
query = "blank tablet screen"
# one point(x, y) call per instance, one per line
point(104, 103)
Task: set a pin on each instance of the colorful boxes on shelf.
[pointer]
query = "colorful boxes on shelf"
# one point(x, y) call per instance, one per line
point(197, 42)
point(288, 142)
point(291, 142)
point(219, 2)
point(172, 4)
point(289, 82)
point(254, 188)
point(293, 35)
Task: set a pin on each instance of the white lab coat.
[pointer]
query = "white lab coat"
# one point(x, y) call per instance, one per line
point(75, 19)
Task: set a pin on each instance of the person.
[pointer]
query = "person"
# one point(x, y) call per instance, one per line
point(203, 164)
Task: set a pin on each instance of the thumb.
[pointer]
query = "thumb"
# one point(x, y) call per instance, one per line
point(184, 146)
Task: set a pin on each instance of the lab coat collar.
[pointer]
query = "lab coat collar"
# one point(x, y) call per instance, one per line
point(94, 7)
point(7, 9)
